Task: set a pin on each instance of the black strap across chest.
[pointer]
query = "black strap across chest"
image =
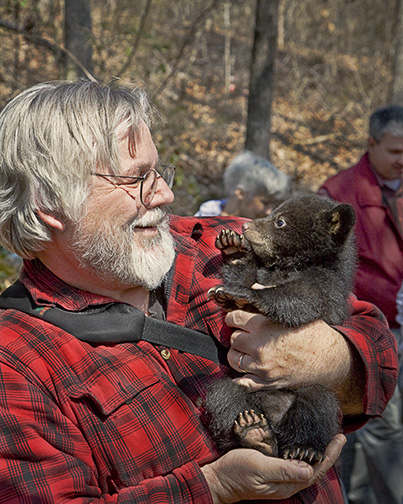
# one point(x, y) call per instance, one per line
point(116, 323)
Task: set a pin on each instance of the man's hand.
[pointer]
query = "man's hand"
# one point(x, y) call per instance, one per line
point(244, 474)
point(277, 356)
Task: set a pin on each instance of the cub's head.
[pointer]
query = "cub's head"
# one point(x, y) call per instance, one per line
point(301, 231)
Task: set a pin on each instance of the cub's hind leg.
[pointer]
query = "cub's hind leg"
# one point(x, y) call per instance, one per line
point(309, 425)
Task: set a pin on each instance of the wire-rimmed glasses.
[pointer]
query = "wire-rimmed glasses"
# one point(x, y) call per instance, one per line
point(148, 182)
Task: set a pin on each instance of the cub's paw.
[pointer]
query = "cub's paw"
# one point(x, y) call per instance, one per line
point(253, 431)
point(222, 298)
point(230, 242)
point(226, 300)
point(306, 454)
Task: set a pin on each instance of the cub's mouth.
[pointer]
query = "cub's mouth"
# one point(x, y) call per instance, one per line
point(261, 245)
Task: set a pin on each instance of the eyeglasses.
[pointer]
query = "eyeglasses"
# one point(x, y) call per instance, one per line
point(148, 182)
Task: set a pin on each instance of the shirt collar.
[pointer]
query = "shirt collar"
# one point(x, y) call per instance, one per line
point(49, 290)
point(393, 185)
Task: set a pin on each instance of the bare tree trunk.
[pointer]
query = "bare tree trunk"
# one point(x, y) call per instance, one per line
point(227, 50)
point(77, 34)
point(281, 25)
point(262, 78)
point(397, 83)
point(16, 69)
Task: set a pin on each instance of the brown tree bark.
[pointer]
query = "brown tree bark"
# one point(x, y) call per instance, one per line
point(261, 86)
point(397, 83)
point(77, 36)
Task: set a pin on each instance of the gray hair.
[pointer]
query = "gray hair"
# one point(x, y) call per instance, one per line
point(386, 120)
point(52, 136)
point(255, 175)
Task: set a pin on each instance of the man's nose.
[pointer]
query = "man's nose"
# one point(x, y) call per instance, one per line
point(163, 195)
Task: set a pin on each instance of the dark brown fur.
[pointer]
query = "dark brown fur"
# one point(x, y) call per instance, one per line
point(303, 255)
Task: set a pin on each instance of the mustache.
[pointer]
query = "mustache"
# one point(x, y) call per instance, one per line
point(152, 218)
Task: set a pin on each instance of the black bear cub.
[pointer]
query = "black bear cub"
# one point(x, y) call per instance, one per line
point(294, 266)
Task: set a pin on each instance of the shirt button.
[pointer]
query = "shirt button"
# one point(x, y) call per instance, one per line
point(165, 354)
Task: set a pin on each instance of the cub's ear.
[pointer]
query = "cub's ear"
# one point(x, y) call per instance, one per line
point(341, 219)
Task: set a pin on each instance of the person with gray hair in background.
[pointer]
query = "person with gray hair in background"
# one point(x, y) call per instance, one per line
point(374, 188)
point(253, 187)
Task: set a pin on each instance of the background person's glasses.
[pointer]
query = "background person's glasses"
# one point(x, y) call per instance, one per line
point(148, 182)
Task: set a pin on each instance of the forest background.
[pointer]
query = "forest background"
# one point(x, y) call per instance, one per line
point(328, 64)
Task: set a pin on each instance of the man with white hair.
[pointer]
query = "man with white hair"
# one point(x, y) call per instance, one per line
point(253, 186)
point(102, 377)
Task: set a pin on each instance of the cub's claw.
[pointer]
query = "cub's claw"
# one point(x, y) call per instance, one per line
point(253, 431)
point(211, 292)
point(230, 242)
point(306, 454)
point(216, 293)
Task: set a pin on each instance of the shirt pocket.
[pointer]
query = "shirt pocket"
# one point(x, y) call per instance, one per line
point(136, 423)
point(109, 388)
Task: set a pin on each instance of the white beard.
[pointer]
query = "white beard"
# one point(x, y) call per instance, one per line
point(121, 253)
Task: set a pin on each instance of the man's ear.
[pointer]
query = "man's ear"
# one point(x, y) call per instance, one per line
point(51, 220)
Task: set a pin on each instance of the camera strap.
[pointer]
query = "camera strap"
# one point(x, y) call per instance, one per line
point(115, 323)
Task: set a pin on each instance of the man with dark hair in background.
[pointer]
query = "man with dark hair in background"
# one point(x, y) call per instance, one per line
point(374, 187)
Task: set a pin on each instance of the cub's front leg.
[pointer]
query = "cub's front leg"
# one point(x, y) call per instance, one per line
point(236, 270)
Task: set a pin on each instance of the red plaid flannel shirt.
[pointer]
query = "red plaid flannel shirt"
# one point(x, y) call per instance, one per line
point(120, 423)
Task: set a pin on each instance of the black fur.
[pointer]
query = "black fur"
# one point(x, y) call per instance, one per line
point(303, 255)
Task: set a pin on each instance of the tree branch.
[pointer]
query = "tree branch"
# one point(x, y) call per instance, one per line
point(187, 41)
point(139, 32)
point(30, 37)
point(298, 147)
point(52, 45)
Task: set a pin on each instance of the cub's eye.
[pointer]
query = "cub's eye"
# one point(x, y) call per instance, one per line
point(280, 223)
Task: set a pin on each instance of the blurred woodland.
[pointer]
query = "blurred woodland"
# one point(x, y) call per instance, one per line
point(335, 61)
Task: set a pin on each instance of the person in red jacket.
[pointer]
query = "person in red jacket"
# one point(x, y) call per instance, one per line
point(374, 187)
point(105, 417)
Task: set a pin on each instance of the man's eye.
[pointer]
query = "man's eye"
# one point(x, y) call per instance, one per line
point(280, 223)
point(127, 181)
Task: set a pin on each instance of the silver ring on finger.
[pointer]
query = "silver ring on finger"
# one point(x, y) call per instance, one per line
point(240, 359)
